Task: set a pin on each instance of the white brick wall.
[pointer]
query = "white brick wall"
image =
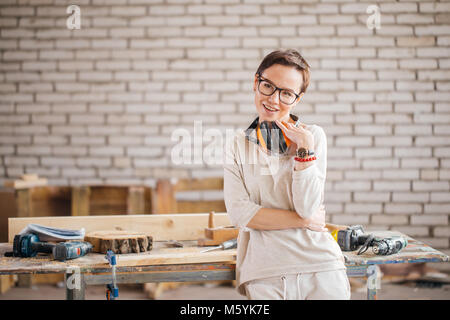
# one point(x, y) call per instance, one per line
point(99, 104)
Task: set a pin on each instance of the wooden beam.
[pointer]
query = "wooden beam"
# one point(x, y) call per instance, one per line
point(24, 203)
point(164, 198)
point(188, 226)
point(199, 184)
point(80, 201)
point(136, 200)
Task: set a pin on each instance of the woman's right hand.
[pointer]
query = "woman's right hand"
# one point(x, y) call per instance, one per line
point(317, 221)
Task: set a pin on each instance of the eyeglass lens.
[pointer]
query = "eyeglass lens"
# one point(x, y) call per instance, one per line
point(267, 89)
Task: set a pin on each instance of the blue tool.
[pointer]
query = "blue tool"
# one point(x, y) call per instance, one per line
point(112, 291)
point(28, 245)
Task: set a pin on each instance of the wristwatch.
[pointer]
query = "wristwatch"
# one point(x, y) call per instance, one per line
point(303, 153)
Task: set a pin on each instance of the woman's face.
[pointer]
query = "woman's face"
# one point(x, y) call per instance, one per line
point(284, 77)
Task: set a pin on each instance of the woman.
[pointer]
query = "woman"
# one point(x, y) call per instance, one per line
point(274, 192)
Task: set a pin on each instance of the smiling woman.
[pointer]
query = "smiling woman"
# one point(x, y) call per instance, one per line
point(284, 249)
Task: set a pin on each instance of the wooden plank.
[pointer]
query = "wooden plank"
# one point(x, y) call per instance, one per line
point(164, 198)
point(8, 209)
point(163, 257)
point(24, 203)
point(23, 184)
point(136, 200)
point(80, 201)
point(97, 261)
point(6, 282)
point(201, 206)
point(51, 201)
point(199, 184)
point(189, 226)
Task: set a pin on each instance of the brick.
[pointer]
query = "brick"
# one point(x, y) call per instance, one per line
point(391, 185)
point(93, 162)
point(436, 52)
point(396, 75)
point(432, 96)
point(436, 208)
point(432, 7)
point(320, 8)
point(431, 141)
point(222, 20)
point(372, 152)
point(402, 174)
point(369, 107)
point(414, 85)
point(393, 118)
point(298, 19)
point(412, 107)
point(263, 22)
point(20, 161)
point(355, 96)
point(396, 53)
point(441, 151)
point(441, 231)
point(352, 186)
point(378, 64)
point(429, 174)
point(373, 85)
point(382, 219)
point(432, 30)
point(430, 185)
point(374, 41)
point(243, 10)
point(443, 40)
point(393, 141)
point(352, 30)
point(402, 208)
point(395, 29)
point(415, 41)
point(350, 219)
point(363, 208)
point(362, 174)
point(414, 231)
point(412, 129)
point(371, 196)
point(380, 163)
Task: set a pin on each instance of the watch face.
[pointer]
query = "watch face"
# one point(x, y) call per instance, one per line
point(301, 152)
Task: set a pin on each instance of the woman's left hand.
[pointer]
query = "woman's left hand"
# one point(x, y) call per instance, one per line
point(301, 136)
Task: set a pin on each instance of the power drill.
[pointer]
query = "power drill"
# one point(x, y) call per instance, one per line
point(354, 237)
point(28, 245)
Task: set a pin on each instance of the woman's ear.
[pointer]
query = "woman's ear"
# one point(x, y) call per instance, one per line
point(255, 83)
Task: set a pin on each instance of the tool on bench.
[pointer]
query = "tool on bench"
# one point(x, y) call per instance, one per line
point(28, 245)
point(354, 237)
point(216, 235)
point(112, 291)
point(174, 243)
point(229, 244)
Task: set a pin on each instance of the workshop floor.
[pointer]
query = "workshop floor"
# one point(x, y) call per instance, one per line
point(388, 291)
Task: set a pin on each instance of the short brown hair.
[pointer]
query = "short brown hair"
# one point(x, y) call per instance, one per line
point(290, 57)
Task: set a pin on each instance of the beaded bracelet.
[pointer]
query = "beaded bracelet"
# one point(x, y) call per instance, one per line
point(304, 159)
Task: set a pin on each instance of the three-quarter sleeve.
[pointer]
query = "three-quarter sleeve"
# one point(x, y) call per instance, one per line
point(308, 185)
point(239, 207)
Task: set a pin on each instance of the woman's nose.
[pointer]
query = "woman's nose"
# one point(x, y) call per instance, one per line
point(275, 97)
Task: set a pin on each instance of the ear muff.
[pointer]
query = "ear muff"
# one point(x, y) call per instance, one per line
point(272, 138)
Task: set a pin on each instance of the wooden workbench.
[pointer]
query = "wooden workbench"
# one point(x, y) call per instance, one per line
point(187, 264)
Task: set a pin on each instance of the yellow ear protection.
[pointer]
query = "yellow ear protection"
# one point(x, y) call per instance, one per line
point(272, 138)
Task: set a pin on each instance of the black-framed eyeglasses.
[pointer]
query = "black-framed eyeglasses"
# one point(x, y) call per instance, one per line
point(267, 88)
